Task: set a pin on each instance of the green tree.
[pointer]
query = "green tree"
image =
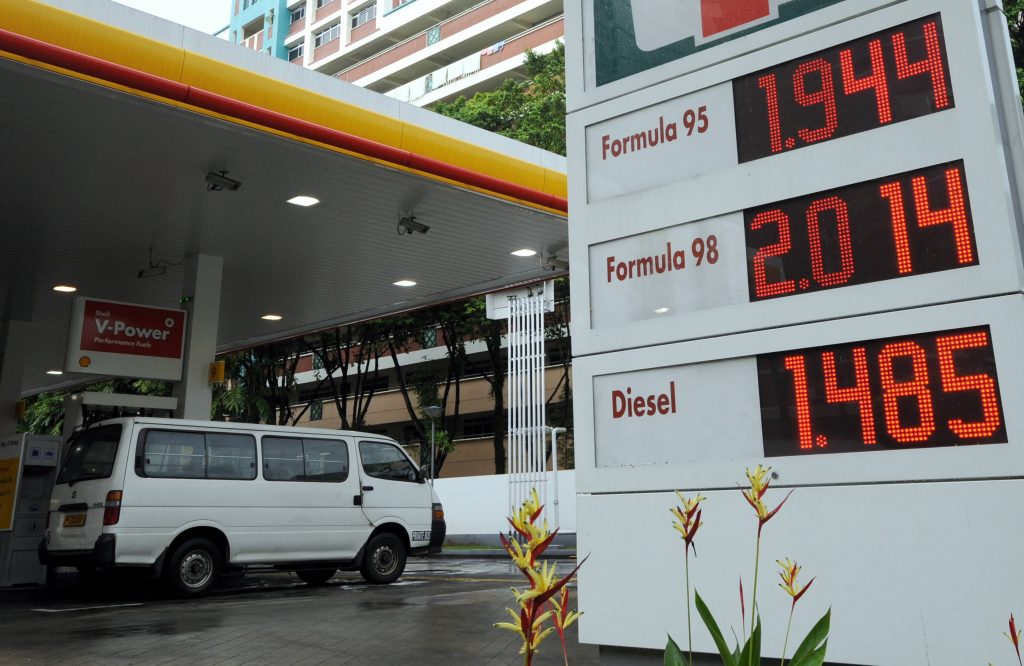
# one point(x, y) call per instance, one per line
point(1014, 10)
point(530, 110)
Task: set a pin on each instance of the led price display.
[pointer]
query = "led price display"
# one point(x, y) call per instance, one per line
point(934, 389)
point(888, 77)
point(908, 224)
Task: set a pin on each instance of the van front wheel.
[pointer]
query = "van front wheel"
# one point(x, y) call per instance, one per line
point(384, 560)
point(193, 568)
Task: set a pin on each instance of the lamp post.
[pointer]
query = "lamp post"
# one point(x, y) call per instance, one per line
point(433, 412)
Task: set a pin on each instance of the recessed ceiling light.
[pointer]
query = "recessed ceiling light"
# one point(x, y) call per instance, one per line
point(303, 200)
point(661, 311)
point(524, 253)
point(55, 372)
point(65, 288)
point(405, 283)
point(272, 317)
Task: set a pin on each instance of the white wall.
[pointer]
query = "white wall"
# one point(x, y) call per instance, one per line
point(478, 505)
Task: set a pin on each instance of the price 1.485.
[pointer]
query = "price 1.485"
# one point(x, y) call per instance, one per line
point(934, 389)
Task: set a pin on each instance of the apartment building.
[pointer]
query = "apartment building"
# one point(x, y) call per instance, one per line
point(418, 51)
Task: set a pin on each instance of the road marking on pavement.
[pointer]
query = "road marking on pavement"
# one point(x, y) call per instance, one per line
point(81, 608)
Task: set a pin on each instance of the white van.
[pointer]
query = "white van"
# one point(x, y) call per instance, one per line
point(191, 499)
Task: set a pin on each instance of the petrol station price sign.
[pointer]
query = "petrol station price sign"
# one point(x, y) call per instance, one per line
point(894, 213)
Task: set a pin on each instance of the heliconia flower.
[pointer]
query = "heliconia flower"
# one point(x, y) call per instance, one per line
point(563, 617)
point(1014, 637)
point(788, 572)
point(759, 481)
point(687, 518)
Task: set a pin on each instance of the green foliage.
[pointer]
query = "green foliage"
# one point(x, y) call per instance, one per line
point(44, 414)
point(531, 111)
point(1014, 10)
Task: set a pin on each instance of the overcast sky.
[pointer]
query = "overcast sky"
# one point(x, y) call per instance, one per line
point(205, 15)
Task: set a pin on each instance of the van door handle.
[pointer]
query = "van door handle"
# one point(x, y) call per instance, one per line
point(367, 488)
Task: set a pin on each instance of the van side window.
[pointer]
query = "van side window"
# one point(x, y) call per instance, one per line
point(386, 461)
point(230, 456)
point(295, 459)
point(173, 454)
point(194, 455)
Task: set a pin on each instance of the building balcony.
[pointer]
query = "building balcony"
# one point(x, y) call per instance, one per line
point(453, 39)
point(478, 71)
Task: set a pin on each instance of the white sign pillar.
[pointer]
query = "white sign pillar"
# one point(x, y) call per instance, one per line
point(776, 262)
point(201, 289)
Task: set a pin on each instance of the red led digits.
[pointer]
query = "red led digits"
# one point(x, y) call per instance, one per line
point(898, 214)
point(932, 64)
point(763, 286)
point(955, 215)
point(887, 77)
point(917, 388)
point(842, 214)
point(798, 366)
point(875, 81)
point(984, 384)
point(932, 390)
point(771, 91)
point(826, 97)
point(907, 224)
point(859, 393)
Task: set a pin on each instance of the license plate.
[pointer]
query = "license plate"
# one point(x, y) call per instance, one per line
point(75, 520)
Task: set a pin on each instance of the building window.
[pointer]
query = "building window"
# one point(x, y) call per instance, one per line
point(323, 3)
point(434, 35)
point(327, 35)
point(367, 14)
point(428, 338)
point(294, 53)
point(297, 14)
point(316, 411)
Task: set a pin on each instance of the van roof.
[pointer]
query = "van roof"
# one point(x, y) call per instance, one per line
point(230, 425)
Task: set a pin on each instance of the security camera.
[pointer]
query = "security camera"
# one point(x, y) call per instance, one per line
point(216, 182)
point(408, 225)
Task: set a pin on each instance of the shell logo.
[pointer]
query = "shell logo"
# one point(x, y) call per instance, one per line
point(658, 23)
point(84, 362)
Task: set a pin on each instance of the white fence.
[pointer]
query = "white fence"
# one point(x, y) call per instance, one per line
point(475, 507)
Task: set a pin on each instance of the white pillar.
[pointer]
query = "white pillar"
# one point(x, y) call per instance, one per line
point(202, 286)
point(14, 346)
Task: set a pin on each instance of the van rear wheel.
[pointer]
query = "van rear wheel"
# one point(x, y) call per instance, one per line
point(384, 559)
point(193, 568)
point(315, 576)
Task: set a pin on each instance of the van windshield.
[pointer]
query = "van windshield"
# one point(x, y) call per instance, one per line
point(91, 455)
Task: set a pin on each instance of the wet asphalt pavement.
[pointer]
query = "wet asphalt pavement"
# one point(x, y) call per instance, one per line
point(439, 612)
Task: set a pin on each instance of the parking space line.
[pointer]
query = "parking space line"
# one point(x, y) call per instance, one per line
point(81, 608)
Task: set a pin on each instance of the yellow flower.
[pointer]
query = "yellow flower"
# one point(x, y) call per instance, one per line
point(687, 518)
point(759, 481)
point(788, 571)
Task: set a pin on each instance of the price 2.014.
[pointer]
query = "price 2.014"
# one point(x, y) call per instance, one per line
point(908, 224)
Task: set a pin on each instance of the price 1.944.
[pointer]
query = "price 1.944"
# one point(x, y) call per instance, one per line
point(934, 389)
point(884, 78)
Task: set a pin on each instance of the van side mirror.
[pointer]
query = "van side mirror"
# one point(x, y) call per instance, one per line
point(424, 471)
